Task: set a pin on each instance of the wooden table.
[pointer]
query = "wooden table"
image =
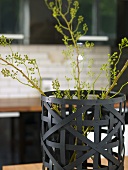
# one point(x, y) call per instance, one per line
point(39, 166)
point(20, 104)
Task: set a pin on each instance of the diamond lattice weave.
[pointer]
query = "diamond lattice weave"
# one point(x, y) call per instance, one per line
point(79, 138)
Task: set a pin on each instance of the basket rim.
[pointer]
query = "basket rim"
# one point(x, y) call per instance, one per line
point(51, 99)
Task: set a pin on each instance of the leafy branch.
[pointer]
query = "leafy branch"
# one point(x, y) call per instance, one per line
point(114, 73)
point(116, 79)
point(68, 25)
point(72, 33)
point(15, 61)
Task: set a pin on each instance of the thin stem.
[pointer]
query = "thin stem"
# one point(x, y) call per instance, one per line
point(96, 81)
point(116, 79)
point(23, 82)
point(77, 51)
point(40, 81)
point(119, 90)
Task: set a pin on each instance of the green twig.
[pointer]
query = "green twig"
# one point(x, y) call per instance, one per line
point(116, 79)
point(24, 75)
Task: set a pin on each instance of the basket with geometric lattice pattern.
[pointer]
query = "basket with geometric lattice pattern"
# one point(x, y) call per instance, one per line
point(89, 136)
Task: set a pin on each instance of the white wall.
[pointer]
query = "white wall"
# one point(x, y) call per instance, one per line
point(52, 65)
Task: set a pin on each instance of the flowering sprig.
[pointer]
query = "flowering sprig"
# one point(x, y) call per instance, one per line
point(68, 24)
point(17, 66)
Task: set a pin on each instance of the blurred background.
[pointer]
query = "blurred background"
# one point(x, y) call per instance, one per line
point(30, 25)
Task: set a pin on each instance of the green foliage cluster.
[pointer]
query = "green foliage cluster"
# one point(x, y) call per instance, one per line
point(68, 24)
point(16, 65)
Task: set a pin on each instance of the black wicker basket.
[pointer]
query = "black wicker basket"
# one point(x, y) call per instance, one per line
point(79, 138)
